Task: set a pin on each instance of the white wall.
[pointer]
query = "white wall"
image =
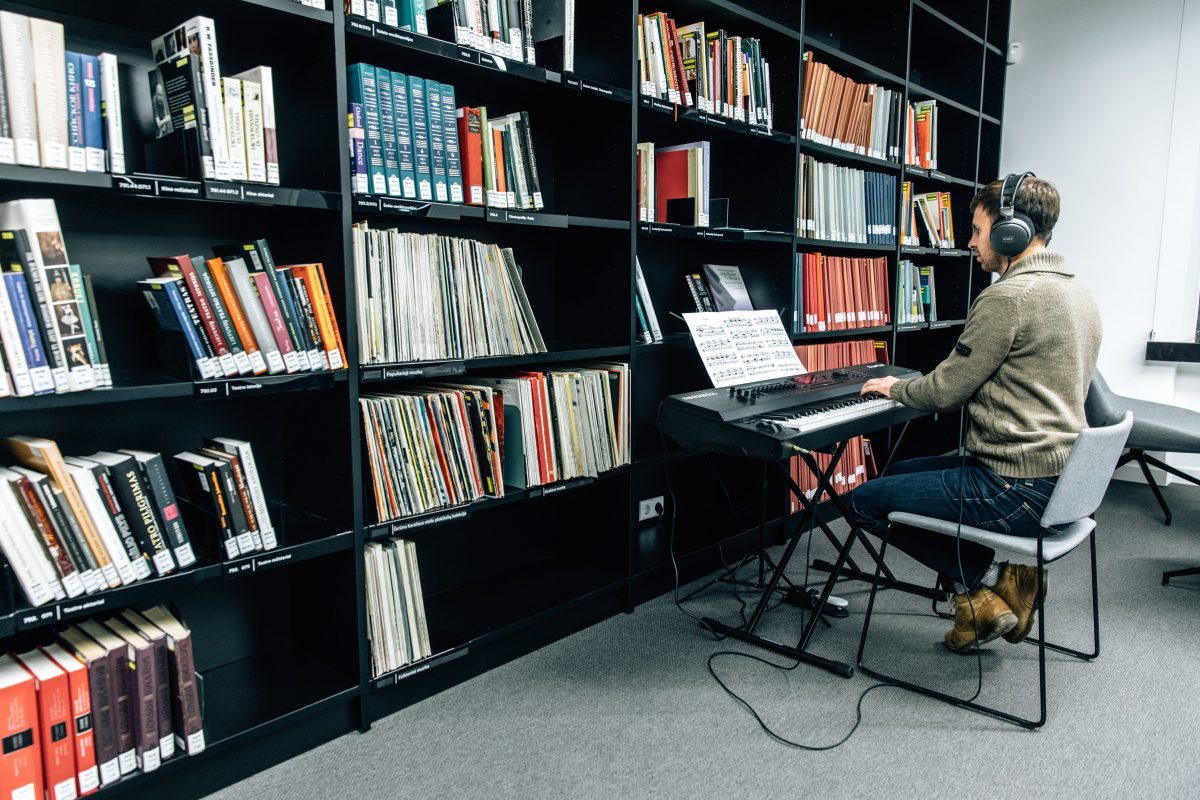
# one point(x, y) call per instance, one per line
point(1104, 104)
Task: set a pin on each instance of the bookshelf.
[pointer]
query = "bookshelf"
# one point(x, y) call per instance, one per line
point(280, 638)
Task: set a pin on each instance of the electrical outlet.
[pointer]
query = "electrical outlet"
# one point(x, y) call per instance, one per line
point(649, 509)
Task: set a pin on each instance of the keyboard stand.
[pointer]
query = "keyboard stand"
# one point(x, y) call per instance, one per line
point(794, 526)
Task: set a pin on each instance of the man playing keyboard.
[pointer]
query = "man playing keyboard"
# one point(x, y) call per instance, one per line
point(1022, 368)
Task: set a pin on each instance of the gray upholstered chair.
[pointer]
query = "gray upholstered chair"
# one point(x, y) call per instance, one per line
point(1067, 521)
point(1156, 427)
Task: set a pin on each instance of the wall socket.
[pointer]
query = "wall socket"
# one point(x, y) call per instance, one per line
point(649, 509)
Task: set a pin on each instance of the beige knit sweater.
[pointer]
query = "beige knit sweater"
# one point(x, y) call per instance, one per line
point(1022, 367)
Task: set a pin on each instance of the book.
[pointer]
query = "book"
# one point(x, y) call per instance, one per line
point(254, 485)
point(204, 484)
point(252, 124)
point(264, 78)
point(17, 45)
point(21, 758)
point(49, 89)
point(93, 114)
point(111, 506)
point(142, 677)
point(81, 730)
point(727, 288)
point(102, 695)
point(647, 304)
point(198, 36)
point(110, 110)
point(76, 151)
point(165, 505)
point(162, 683)
point(41, 525)
point(235, 128)
point(122, 691)
point(54, 723)
point(186, 717)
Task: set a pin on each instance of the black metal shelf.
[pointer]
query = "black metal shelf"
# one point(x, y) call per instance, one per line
point(816, 149)
point(682, 112)
point(63, 611)
point(936, 175)
point(865, 66)
point(712, 234)
point(919, 91)
point(805, 243)
point(933, 12)
point(407, 526)
point(477, 215)
point(946, 323)
point(419, 370)
point(814, 336)
point(448, 50)
point(296, 9)
point(949, 252)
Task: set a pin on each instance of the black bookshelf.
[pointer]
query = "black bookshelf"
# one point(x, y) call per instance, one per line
point(280, 638)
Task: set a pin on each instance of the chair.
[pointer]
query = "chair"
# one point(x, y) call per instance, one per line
point(1157, 427)
point(1076, 496)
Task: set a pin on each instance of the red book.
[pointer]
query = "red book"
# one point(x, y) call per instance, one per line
point(266, 296)
point(87, 774)
point(55, 723)
point(20, 758)
point(470, 143)
point(670, 180)
point(685, 93)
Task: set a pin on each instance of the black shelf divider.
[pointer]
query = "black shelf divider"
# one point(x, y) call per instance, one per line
point(317, 640)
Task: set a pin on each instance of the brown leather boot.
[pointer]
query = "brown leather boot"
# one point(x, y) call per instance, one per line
point(1017, 584)
point(983, 611)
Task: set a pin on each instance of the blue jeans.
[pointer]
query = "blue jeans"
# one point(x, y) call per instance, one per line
point(931, 487)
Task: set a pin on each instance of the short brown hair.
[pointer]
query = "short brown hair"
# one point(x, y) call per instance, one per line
point(1036, 199)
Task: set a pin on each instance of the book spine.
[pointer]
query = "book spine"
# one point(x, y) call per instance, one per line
point(404, 139)
point(49, 90)
point(306, 318)
point(30, 503)
point(437, 140)
point(312, 285)
point(422, 157)
point(245, 455)
point(110, 109)
point(387, 131)
point(222, 349)
point(99, 372)
point(252, 122)
point(112, 507)
point(245, 503)
point(235, 129)
point(270, 132)
point(527, 135)
point(527, 23)
point(105, 371)
point(210, 480)
point(647, 304)
point(165, 299)
point(454, 171)
point(120, 690)
point(185, 700)
point(81, 733)
point(17, 44)
point(247, 293)
point(162, 697)
point(8, 149)
point(12, 336)
point(85, 563)
point(134, 495)
point(355, 121)
point(222, 156)
point(176, 533)
point(470, 139)
point(76, 151)
point(93, 121)
point(331, 313)
point(275, 318)
point(89, 491)
point(364, 75)
point(144, 698)
point(233, 514)
point(219, 274)
point(260, 254)
point(104, 720)
point(221, 316)
point(216, 368)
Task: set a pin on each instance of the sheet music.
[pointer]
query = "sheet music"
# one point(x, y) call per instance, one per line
point(743, 346)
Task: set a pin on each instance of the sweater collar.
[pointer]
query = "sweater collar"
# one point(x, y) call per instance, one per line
point(1041, 261)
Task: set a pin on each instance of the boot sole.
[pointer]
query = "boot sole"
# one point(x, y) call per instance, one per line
point(1000, 626)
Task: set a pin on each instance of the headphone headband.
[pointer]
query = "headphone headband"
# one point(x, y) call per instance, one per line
point(1008, 197)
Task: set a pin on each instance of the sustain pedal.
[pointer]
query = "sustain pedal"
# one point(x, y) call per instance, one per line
point(807, 599)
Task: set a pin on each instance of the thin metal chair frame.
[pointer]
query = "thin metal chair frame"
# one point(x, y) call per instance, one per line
point(1040, 641)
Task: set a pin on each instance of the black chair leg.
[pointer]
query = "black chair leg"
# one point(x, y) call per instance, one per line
point(1141, 458)
point(1179, 573)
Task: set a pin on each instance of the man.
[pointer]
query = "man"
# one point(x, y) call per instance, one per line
point(1022, 368)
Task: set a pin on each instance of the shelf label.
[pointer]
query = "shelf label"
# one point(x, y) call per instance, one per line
point(264, 385)
point(532, 218)
point(558, 488)
point(177, 188)
point(595, 88)
point(36, 618)
point(421, 666)
point(428, 521)
point(415, 371)
point(395, 206)
point(235, 569)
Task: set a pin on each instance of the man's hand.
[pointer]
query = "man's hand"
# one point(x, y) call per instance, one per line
point(881, 386)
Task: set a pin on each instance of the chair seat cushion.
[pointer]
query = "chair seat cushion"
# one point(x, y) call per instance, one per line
point(1055, 545)
point(1158, 426)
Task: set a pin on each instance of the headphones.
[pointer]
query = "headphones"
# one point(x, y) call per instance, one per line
point(1013, 231)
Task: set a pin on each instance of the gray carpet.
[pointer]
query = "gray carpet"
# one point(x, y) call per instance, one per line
point(627, 708)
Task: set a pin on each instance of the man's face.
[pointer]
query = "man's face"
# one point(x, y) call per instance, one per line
point(981, 231)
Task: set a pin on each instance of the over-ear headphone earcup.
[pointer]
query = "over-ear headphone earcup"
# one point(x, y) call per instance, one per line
point(1010, 237)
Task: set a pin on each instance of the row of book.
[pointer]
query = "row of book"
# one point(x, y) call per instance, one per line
point(916, 294)
point(446, 443)
point(229, 122)
point(713, 71)
point(837, 111)
point(715, 288)
point(935, 214)
point(835, 355)
point(857, 464)
point(920, 135)
point(845, 204)
point(104, 700)
point(840, 293)
point(409, 139)
point(240, 314)
point(677, 173)
point(58, 109)
point(396, 627)
point(72, 526)
point(49, 328)
point(425, 297)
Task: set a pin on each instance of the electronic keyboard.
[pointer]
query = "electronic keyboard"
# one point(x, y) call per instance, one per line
point(778, 418)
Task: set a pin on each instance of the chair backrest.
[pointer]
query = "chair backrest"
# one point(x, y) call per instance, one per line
point(1088, 470)
point(1102, 406)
